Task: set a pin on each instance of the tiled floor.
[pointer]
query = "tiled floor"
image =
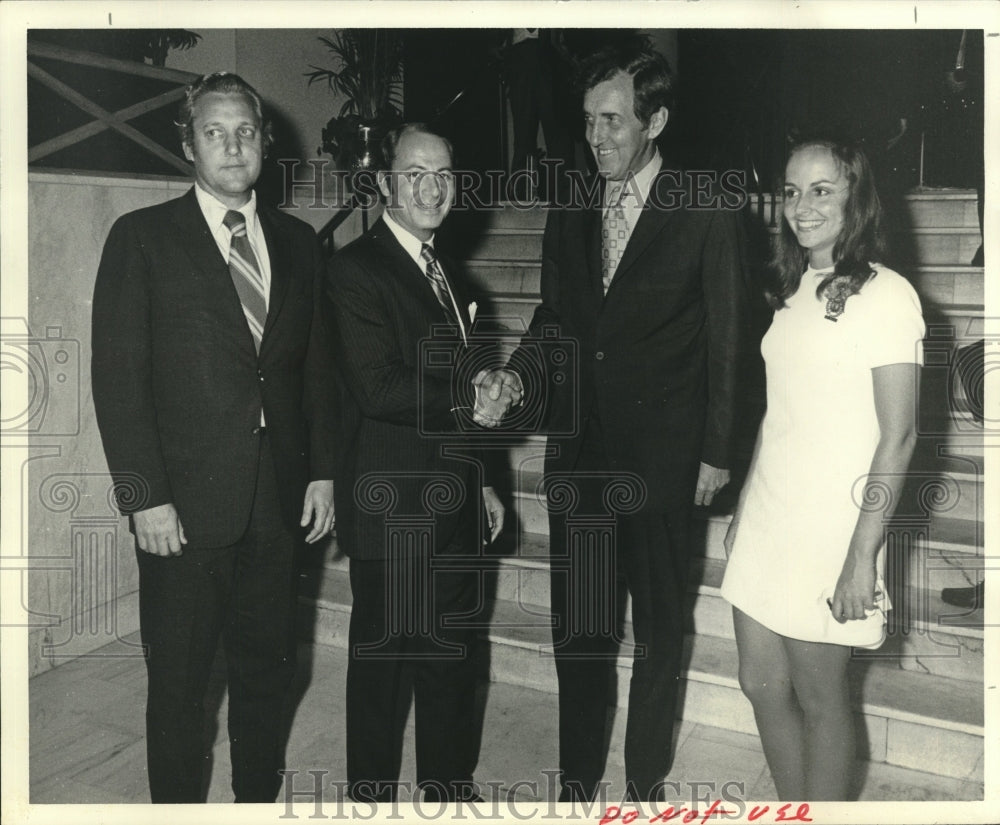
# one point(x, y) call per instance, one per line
point(87, 742)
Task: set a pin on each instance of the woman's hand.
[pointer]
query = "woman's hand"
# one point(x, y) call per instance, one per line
point(855, 591)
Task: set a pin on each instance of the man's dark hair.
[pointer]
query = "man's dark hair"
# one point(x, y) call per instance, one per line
point(225, 83)
point(652, 80)
point(391, 141)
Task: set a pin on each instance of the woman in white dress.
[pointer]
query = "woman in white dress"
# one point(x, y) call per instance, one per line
point(804, 574)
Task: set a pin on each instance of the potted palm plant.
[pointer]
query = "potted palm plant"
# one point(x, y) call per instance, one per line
point(368, 71)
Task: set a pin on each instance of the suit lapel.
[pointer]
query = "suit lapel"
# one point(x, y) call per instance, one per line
point(280, 257)
point(409, 273)
point(594, 243)
point(651, 223)
point(196, 241)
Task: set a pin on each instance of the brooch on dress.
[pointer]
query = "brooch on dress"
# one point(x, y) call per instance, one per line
point(836, 293)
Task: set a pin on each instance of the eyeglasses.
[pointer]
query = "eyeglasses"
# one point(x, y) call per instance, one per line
point(423, 177)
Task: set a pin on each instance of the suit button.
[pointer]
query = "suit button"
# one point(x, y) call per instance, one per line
point(599, 356)
point(255, 431)
point(260, 375)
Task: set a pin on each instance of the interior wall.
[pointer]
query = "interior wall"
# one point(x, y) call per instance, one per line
point(82, 590)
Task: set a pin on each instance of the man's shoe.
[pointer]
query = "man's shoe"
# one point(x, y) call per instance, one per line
point(970, 598)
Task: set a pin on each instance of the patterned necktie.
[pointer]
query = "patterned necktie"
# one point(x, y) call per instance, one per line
point(437, 280)
point(614, 233)
point(246, 275)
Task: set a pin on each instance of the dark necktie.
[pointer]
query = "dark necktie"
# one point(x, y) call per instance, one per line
point(437, 280)
point(246, 275)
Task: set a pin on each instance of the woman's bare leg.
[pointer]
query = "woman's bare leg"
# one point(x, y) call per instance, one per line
point(819, 675)
point(766, 680)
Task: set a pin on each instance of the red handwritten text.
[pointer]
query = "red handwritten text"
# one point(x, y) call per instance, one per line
point(687, 816)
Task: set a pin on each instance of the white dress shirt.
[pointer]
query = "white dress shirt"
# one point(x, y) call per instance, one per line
point(215, 210)
point(413, 247)
point(636, 190)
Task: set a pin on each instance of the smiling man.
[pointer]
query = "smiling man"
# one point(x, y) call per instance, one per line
point(211, 385)
point(411, 500)
point(653, 299)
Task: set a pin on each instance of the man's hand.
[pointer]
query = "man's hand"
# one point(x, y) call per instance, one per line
point(494, 512)
point(318, 508)
point(158, 531)
point(710, 481)
point(496, 392)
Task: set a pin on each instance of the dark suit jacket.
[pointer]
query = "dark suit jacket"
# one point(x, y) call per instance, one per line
point(178, 386)
point(405, 459)
point(657, 357)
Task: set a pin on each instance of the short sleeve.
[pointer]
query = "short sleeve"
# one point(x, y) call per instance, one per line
point(895, 329)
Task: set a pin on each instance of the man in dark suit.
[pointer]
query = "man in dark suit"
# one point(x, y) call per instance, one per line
point(409, 508)
point(649, 292)
point(214, 401)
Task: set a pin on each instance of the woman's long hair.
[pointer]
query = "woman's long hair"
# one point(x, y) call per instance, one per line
point(861, 241)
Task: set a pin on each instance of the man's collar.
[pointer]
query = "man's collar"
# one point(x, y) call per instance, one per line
point(410, 242)
point(638, 183)
point(215, 210)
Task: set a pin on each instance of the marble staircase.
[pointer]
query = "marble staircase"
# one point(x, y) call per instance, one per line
point(919, 699)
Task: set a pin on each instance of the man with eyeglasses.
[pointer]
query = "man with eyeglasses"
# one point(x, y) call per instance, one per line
point(408, 499)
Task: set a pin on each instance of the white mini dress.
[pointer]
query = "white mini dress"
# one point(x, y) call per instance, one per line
point(818, 437)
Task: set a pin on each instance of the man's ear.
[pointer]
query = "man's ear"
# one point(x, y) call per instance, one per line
point(657, 123)
point(188, 153)
point(384, 183)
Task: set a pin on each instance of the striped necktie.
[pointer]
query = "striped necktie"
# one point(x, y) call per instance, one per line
point(614, 235)
point(437, 280)
point(246, 275)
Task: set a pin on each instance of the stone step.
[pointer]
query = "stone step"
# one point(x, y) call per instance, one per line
point(948, 464)
point(924, 634)
point(937, 245)
point(948, 284)
point(949, 208)
point(965, 322)
point(943, 207)
point(932, 245)
point(923, 208)
point(924, 246)
point(932, 492)
point(936, 285)
point(505, 215)
point(945, 552)
point(491, 277)
point(506, 244)
point(906, 714)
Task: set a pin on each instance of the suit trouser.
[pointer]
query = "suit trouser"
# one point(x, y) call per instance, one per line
point(400, 629)
point(246, 593)
point(649, 549)
point(531, 87)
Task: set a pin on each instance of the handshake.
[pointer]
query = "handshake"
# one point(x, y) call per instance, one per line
point(497, 391)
